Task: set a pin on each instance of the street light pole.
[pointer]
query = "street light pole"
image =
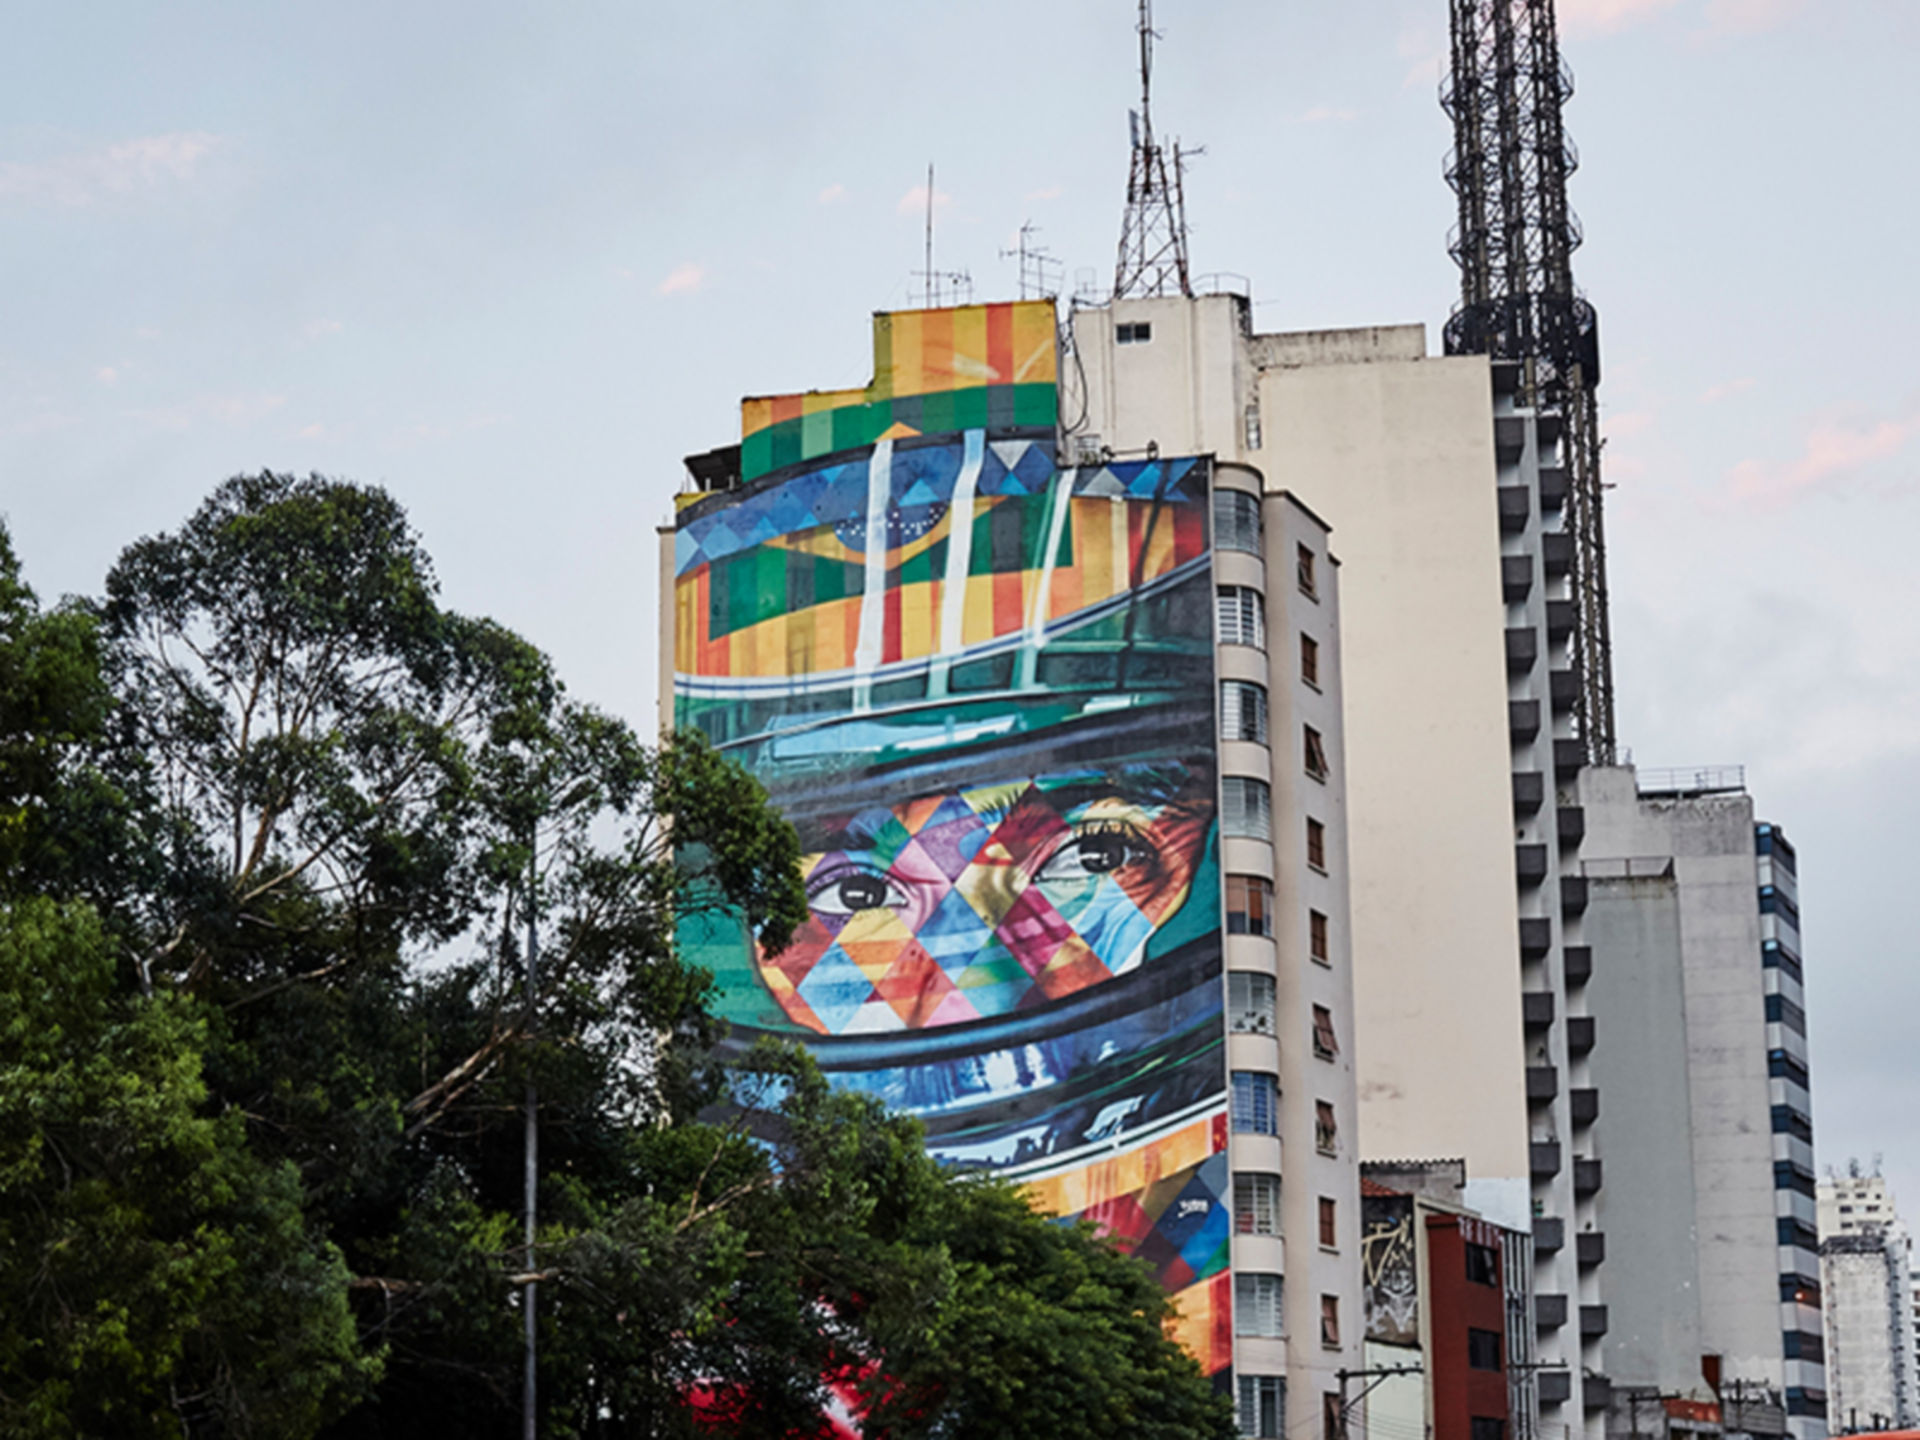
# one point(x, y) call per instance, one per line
point(529, 1414)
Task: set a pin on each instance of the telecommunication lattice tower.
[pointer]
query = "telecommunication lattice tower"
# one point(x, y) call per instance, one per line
point(1514, 245)
point(1153, 234)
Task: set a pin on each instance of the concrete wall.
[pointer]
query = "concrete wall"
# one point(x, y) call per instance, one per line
point(1710, 839)
point(1646, 1208)
point(1399, 457)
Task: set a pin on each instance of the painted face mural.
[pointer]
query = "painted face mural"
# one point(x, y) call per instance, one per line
point(968, 904)
point(980, 683)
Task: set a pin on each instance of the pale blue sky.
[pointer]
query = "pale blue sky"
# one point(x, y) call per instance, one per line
point(513, 262)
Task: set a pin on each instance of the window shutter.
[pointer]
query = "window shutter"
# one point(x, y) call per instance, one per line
point(1243, 711)
point(1247, 807)
point(1256, 1304)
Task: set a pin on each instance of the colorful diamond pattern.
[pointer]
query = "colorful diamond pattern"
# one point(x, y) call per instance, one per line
point(969, 904)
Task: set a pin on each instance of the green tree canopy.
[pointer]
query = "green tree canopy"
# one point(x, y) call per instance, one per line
point(273, 823)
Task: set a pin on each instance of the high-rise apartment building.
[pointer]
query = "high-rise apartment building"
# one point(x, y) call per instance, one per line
point(1446, 495)
point(1062, 734)
point(1872, 1312)
point(1693, 924)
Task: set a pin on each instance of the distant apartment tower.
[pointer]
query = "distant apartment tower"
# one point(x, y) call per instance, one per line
point(1062, 736)
point(1872, 1309)
point(1693, 923)
point(1446, 497)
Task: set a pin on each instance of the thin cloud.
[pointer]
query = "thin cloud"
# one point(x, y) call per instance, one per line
point(684, 279)
point(107, 374)
point(1325, 114)
point(317, 329)
point(230, 410)
point(1831, 451)
point(914, 202)
point(311, 432)
point(1050, 192)
point(1605, 17)
point(1714, 394)
point(1750, 17)
point(832, 194)
point(1628, 423)
point(113, 171)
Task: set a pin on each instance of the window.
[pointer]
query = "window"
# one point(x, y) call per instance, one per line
point(1313, 752)
point(1256, 1204)
point(1263, 1405)
point(1249, 905)
point(1481, 1428)
point(1329, 1230)
point(1330, 1321)
point(1483, 1265)
point(1782, 1066)
point(1317, 845)
point(1242, 612)
point(1333, 1418)
point(1243, 711)
point(1325, 1045)
point(1136, 333)
point(1317, 937)
point(1800, 1289)
point(1250, 1003)
point(1246, 808)
point(1326, 1135)
point(1783, 1011)
point(1236, 521)
point(1256, 1103)
point(1798, 1345)
point(1253, 427)
point(1310, 660)
point(1789, 1121)
point(1483, 1349)
point(1303, 564)
point(1256, 1304)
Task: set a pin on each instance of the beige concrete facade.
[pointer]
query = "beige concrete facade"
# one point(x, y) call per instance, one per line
point(1395, 451)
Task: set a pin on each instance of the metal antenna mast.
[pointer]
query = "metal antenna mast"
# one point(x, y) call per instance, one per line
point(939, 286)
point(1153, 234)
point(1514, 245)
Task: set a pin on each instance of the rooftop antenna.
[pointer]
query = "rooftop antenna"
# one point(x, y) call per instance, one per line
point(1040, 273)
point(938, 287)
point(1514, 245)
point(1153, 232)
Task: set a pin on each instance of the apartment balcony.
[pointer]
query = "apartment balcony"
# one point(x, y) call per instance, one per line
point(1586, 1176)
point(1571, 821)
point(1559, 619)
point(1578, 962)
point(1523, 649)
point(1509, 439)
point(1596, 1392)
point(1554, 1387)
point(1579, 1032)
point(1529, 791)
point(1593, 1321)
point(1516, 577)
point(1589, 1247)
point(1536, 935)
point(1556, 546)
point(1530, 864)
point(1573, 894)
point(1543, 1159)
point(1515, 508)
point(1549, 1234)
point(1536, 1009)
point(1563, 689)
point(1549, 428)
point(1543, 1084)
point(1553, 488)
point(1568, 755)
point(1584, 1104)
point(1549, 1311)
point(1523, 720)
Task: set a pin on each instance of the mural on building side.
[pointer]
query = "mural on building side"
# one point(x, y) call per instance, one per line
point(980, 684)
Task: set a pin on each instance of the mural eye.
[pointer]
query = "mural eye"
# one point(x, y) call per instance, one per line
point(851, 891)
point(1092, 854)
